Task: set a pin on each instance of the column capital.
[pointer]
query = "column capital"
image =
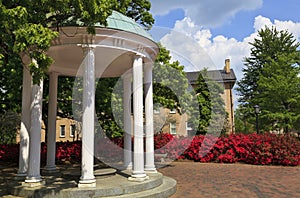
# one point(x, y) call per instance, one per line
point(53, 73)
point(91, 46)
point(138, 55)
point(87, 47)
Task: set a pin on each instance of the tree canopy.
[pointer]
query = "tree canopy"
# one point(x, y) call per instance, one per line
point(28, 27)
point(271, 79)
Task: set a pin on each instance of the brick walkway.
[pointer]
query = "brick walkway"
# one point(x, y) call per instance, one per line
point(197, 180)
point(233, 180)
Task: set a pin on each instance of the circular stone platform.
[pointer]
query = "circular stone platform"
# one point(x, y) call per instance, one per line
point(116, 185)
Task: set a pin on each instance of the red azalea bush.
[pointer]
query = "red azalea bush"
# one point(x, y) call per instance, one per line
point(9, 153)
point(259, 149)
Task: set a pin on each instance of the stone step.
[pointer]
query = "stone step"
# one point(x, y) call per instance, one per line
point(115, 186)
point(166, 189)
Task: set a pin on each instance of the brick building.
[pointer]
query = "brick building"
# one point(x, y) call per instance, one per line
point(177, 124)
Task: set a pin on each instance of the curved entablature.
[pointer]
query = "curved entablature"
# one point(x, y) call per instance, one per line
point(112, 47)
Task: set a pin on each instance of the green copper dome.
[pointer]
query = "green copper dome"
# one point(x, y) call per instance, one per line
point(121, 22)
point(116, 21)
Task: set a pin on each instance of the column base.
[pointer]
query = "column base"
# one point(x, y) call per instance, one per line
point(50, 169)
point(33, 183)
point(87, 183)
point(138, 177)
point(150, 170)
point(20, 177)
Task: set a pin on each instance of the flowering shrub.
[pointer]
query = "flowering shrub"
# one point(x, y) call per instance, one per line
point(258, 149)
point(255, 149)
point(9, 153)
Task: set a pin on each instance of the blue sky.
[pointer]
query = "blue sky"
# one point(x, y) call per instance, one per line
point(203, 33)
point(241, 24)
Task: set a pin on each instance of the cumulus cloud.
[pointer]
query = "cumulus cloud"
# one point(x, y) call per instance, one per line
point(292, 27)
point(207, 13)
point(201, 49)
point(196, 48)
point(197, 44)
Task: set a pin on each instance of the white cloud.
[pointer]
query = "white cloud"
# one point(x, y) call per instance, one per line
point(193, 42)
point(199, 47)
point(290, 26)
point(261, 21)
point(195, 47)
point(207, 13)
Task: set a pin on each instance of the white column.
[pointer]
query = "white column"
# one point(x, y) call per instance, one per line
point(87, 178)
point(127, 121)
point(138, 173)
point(149, 163)
point(25, 124)
point(52, 109)
point(33, 175)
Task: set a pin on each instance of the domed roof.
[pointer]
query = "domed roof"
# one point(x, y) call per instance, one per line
point(116, 21)
point(121, 22)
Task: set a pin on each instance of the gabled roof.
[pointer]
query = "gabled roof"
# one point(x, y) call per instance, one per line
point(216, 75)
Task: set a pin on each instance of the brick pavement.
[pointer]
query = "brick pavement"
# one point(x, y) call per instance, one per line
point(197, 180)
point(233, 180)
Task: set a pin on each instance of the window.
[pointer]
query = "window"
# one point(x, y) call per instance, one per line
point(62, 131)
point(187, 126)
point(72, 130)
point(172, 110)
point(173, 128)
point(189, 129)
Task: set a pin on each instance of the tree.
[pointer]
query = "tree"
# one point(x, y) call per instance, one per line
point(9, 124)
point(28, 27)
point(279, 82)
point(170, 82)
point(241, 122)
point(271, 79)
point(211, 105)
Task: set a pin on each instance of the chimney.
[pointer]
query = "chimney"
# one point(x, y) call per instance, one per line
point(227, 66)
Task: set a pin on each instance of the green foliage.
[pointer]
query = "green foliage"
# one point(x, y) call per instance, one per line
point(26, 25)
point(9, 122)
point(242, 123)
point(138, 10)
point(271, 80)
point(27, 28)
point(11, 84)
point(211, 105)
point(108, 101)
point(170, 82)
point(34, 39)
point(279, 81)
point(10, 62)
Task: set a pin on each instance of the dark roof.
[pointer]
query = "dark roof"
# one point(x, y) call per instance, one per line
point(216, 75)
